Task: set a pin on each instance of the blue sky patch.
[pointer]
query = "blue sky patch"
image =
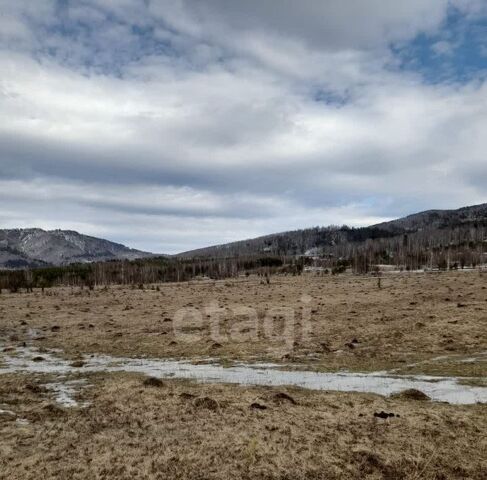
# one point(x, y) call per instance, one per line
point(456, 54)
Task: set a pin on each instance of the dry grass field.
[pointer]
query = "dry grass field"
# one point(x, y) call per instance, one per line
point(183, 430)
point(180, 429)
point(411, 319)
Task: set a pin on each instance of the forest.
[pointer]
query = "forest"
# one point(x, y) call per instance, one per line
point(358, 251)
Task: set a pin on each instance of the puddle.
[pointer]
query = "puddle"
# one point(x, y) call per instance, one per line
point(443, 389)
point(65, 392)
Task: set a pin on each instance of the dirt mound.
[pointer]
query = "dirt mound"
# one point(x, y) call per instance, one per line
point(153, 382)
point(411, 394)
point(206, 402)
point(282, 397)
point(77, 364)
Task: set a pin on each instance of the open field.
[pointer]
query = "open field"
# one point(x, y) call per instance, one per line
point(185, 430)
point(409, 321)
point(123, 428)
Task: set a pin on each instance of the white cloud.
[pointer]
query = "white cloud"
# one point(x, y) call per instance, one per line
point(244, 121)
point(443, 47)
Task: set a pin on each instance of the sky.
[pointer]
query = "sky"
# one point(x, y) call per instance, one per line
point(172, 125)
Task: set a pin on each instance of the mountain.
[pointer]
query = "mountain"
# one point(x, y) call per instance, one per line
point(429, 227)
point(440, 219)
point(34, 247)
point(412, 240)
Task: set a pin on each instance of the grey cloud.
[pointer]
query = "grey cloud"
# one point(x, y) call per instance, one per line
point(171, 125)
point(333, 24)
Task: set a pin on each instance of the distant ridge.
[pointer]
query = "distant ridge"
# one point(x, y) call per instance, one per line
point(464, 228)
point(34, 247)
point(328, 239)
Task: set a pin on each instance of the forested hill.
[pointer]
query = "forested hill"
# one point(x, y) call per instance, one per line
point(441, 219)
point(426, 229)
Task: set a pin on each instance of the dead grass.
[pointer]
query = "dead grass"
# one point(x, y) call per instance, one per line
point(474, 382)
point(411, 320)
point(180, 430)
point(187, 430)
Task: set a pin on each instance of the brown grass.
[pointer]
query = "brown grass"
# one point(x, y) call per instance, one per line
point(186, 430)
point(411, 320)
point(136, 428)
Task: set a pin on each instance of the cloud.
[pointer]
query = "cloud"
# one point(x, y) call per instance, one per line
point(173, 125)
point(334, 24)
point(443, 47)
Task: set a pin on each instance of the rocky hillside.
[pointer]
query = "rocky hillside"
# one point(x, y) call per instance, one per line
point(34, 247)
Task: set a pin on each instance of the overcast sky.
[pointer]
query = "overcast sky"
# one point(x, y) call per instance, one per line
point(171, 125)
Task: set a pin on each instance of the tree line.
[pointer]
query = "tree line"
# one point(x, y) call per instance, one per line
point(360, 251)
point(145, 271)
